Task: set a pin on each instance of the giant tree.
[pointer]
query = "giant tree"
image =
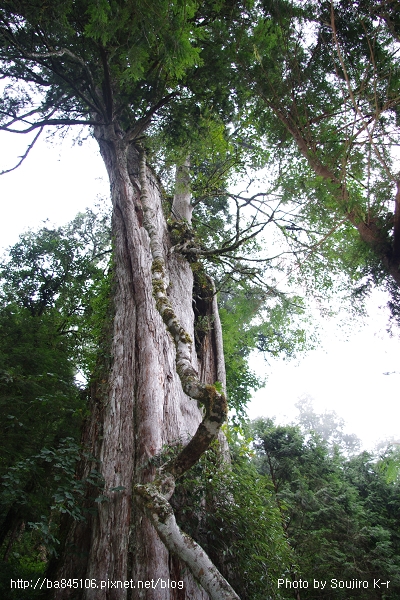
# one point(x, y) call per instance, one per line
point(155, 84)
point(122, 69)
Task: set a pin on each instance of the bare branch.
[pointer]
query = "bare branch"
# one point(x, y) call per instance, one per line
point(223, 250)
point(23, 157)
point(51, 122)
point(161, 515)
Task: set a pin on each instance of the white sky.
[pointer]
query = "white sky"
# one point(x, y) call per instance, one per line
point(356, 374)
point(56, 182)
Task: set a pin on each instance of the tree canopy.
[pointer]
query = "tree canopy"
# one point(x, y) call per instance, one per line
point(264, 84)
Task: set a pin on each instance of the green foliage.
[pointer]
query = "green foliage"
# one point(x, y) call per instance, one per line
point(47, 481)
point(231, 84)
point(56, 275)
point(328, 426)
point(323, 77)
point(389, 464)
point(239, 337)
point(230, 510)
point(124, 58)
point(340, 515)
point(252, 321)
point(48, 336)
point(28, 563)
point(160, 32)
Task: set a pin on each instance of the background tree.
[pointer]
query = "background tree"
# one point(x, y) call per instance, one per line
point(321, 89)
point(328, 426)
point(338, 513)
point(49, 322)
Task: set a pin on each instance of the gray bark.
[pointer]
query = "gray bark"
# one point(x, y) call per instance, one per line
point(182, 207)
point(143, 406)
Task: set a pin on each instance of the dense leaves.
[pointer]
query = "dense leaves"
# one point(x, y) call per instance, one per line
point(340, 515)
point(251, 321)
point(324, 96)
point(308, 90)
point(231, 511)
point(49, 336)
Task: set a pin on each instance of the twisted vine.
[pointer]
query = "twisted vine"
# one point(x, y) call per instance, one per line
point(153, 498)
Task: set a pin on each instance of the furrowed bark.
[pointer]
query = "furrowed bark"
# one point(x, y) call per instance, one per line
point(181, 207)
point(141, 409)
point(213, 401)
point(143, 405)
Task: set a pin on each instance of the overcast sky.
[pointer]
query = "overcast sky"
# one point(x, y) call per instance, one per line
point(356, 372)
point(54, 182)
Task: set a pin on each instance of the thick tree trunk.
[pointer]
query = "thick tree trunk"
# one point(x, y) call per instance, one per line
point(142, 408)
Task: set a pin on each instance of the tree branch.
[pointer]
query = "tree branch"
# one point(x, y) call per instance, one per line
point(51, 122)
point(140, 126)
point(23, 157)
point(160, 513)
point(107, 88)
point(40, 58)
